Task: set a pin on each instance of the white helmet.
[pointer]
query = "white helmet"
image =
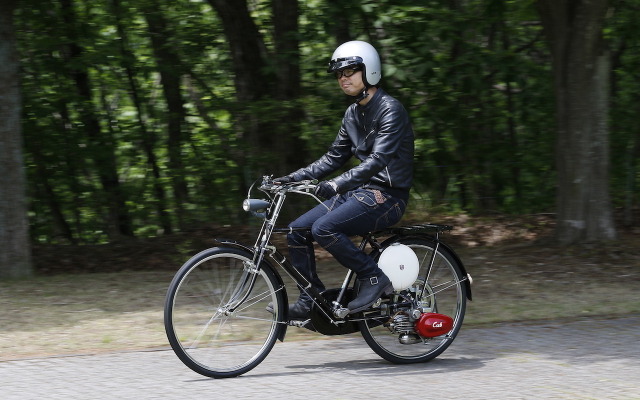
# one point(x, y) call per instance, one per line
point(358, 53)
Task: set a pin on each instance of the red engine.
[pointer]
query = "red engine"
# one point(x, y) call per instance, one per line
point(433, 324)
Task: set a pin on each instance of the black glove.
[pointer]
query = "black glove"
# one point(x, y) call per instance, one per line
point(325, 190)
point(283, 179)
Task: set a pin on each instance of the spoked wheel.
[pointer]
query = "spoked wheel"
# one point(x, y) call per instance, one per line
point(438, 289)
point(215, 313)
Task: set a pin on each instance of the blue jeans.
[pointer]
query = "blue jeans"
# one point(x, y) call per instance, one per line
point(332, 223)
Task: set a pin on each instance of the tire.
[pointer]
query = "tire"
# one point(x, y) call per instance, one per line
point(203, 334)
point(445, 292)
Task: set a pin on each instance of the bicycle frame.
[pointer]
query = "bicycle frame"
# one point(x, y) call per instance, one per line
point(227, 305)
point(334, 310)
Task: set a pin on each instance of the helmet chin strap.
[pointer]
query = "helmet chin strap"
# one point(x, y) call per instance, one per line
point(362, 95)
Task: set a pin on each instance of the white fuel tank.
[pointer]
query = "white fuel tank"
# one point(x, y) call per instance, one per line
point(400, 264)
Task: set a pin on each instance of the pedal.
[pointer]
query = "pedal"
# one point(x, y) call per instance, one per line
point(306, 324)
point(341, 313)
point(298, 323)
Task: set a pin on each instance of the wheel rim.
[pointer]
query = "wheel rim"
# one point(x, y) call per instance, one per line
point(206, 333)
point(442, 293)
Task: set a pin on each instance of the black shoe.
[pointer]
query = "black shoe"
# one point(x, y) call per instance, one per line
point(299, 311)
point(371, 289)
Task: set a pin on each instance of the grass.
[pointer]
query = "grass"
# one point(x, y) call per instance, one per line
point(98, 312)
point(82, 313)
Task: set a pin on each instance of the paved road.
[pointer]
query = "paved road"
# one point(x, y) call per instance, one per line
point(585, 359)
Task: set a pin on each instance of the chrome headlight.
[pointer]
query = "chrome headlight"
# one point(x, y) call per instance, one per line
point(255, 204)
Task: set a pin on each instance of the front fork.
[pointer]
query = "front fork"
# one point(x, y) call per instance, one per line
point(261, 246)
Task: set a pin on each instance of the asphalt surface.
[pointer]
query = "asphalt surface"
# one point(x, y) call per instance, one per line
point(583, 359)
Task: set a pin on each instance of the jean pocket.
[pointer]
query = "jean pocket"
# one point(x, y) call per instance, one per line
point(391, 217)
point(366, 197)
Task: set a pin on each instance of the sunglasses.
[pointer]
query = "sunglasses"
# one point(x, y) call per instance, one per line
point(345, 72)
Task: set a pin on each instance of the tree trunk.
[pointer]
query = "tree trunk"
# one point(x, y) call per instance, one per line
point(339, 12)
point(15, 256)
point(149, 138)
point(102, 144)
point(581, 64)
point(169, 67)
point(46, 194)
point(252, 82)
point(290, 146)
point(269, 129)
point(248, 51)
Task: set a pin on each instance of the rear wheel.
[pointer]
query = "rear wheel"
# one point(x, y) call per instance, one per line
point(216, 316)
point(439, 288)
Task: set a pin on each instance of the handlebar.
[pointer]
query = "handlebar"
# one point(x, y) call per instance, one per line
point(305, 186)
point(258, 207)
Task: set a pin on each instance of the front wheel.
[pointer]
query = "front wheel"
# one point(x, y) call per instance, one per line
point(216, 316)
point(440, 288)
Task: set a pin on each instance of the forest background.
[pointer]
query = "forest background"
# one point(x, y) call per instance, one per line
point(142, 118)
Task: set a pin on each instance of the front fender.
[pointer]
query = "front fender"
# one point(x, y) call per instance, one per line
point(233, 243)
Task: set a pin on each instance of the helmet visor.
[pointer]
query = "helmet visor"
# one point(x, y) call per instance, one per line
point(345, 62)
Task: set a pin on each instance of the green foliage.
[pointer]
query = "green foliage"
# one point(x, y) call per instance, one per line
point(473, 74)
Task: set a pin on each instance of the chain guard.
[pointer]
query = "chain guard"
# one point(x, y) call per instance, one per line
point(321, 323)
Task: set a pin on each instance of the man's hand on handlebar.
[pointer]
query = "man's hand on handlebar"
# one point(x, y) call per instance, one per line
point(326, 190)
point(283, 180)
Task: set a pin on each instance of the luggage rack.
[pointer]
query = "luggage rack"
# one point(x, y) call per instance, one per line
point(418, 228)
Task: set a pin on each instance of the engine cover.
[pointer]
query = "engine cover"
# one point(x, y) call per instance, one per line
point(433, 324)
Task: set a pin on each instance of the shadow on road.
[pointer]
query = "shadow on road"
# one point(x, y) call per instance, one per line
point(377, 367)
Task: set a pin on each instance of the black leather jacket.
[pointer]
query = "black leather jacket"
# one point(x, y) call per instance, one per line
point(379, 134)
